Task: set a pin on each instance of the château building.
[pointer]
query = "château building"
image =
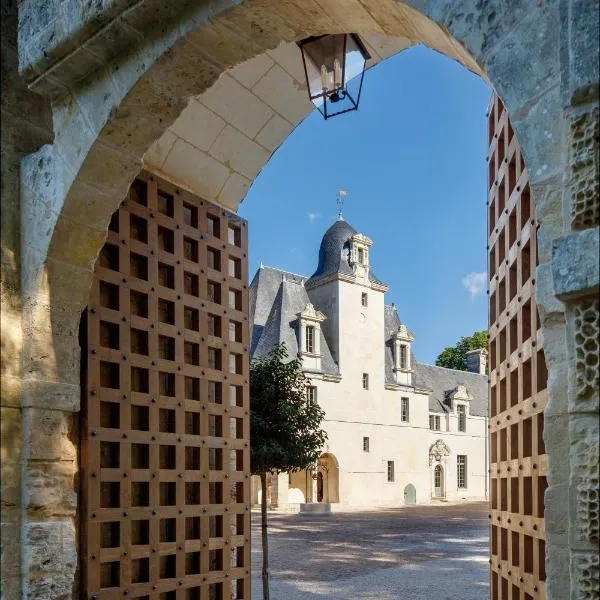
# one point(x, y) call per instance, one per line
point(399, 431)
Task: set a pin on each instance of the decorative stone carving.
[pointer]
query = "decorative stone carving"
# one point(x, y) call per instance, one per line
point(587, 347)
point(585, 161)
point(437, 451)
point(587, 576)
point(588, 505)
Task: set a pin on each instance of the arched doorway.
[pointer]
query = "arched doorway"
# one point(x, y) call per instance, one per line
point(328, 481)
point(410, 495)
point(124, 142)
point(438, 482)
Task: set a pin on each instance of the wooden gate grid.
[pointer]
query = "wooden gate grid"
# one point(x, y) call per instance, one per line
point(518, 376)
point(165, 426)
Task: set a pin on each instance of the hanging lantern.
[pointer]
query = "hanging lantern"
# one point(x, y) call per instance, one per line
point(334, 66)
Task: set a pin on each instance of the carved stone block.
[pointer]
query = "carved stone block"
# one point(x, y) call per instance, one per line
point(584, 163)
point(587, 347)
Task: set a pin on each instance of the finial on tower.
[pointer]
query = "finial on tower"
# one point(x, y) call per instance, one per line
point(340, 202)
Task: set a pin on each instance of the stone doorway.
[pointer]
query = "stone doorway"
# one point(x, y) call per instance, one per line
point(113, 100)
point(438, 482)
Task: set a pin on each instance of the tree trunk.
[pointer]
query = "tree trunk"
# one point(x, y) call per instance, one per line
point(265, 542)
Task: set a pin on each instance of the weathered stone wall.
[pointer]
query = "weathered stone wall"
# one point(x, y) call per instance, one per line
point(119, 73)
point(26, 125)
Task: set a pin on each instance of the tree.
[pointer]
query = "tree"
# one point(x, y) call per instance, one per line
point(285, 433)
point(454, 357)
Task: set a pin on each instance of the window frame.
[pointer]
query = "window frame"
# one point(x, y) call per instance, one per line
point(311, 394)
point(461, 411)
point(461, 471)
point(309, 339)
point(391, 475)
point(405, 409)
point(403, 356)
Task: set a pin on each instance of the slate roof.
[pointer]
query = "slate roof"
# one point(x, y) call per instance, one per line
point(334, 253)
point(276, 297)
point(442, 382)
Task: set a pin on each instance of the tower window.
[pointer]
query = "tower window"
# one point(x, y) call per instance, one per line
point(366, 442)
point(311, 394)
point(390, 470)
point(365, 299)
point(405, 414)
point(365, 381)
point(461, 471)
point(310, 339)
point(461, 409)
point(403, 356)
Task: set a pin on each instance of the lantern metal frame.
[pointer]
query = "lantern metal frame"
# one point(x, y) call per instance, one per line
point(328, 96)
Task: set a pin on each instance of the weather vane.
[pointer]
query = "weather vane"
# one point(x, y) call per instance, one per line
point(340, 202)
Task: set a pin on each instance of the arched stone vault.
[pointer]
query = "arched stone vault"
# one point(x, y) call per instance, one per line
point(148, 82)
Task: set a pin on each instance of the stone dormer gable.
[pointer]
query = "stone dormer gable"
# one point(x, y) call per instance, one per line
point(310, 313)
point(459, 395)
point(403, 335)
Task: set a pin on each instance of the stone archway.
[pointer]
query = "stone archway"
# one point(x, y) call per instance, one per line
point(328, 478)
point(118, 83)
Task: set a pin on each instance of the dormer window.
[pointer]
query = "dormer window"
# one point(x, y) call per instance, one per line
point(310, 339)
point(461, 411)
point(361, 256)
point(403, 362)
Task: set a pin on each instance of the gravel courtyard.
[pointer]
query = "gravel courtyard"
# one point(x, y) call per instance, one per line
point(409, 553)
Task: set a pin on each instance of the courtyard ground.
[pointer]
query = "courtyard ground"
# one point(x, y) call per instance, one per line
point(410, 553)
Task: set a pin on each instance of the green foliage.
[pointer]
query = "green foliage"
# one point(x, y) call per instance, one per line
point(285, 431)
point(454, 357)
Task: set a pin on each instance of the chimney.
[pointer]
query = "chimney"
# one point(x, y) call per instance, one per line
point(476, 361)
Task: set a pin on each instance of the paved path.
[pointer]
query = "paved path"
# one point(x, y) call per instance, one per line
point(409, 553)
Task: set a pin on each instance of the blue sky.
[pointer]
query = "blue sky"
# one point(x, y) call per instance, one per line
point(413, 161)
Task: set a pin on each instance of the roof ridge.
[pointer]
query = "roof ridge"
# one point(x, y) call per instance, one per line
point(448, 369)
point(282, 271)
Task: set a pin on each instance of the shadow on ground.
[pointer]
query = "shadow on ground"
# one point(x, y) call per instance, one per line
point(404, 553)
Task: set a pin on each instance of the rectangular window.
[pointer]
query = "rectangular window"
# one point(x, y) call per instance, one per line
point(434, 422)
point(461, 409)
point(461, 471)
point(365, 299)
point(366, 444)
point(311, 394)
point(405, 416)
point(310, 339)
point(365, 381)
point(361, 256)
point(403, 356)
point(390, 470)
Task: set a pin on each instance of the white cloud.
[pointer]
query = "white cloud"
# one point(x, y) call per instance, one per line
point(312, 217)
point(475, 283)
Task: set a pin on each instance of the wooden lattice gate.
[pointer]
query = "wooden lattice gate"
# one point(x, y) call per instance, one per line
point(518, 375)
point(165, 428)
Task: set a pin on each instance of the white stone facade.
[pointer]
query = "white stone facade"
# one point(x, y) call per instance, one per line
point(387, 416)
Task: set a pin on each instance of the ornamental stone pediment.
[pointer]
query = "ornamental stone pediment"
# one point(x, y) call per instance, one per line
point(437, 451)
point(310, 313)
point(460, 393)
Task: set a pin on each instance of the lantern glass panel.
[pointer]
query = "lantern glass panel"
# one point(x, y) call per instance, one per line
point(324, 60)
point(334, 71)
